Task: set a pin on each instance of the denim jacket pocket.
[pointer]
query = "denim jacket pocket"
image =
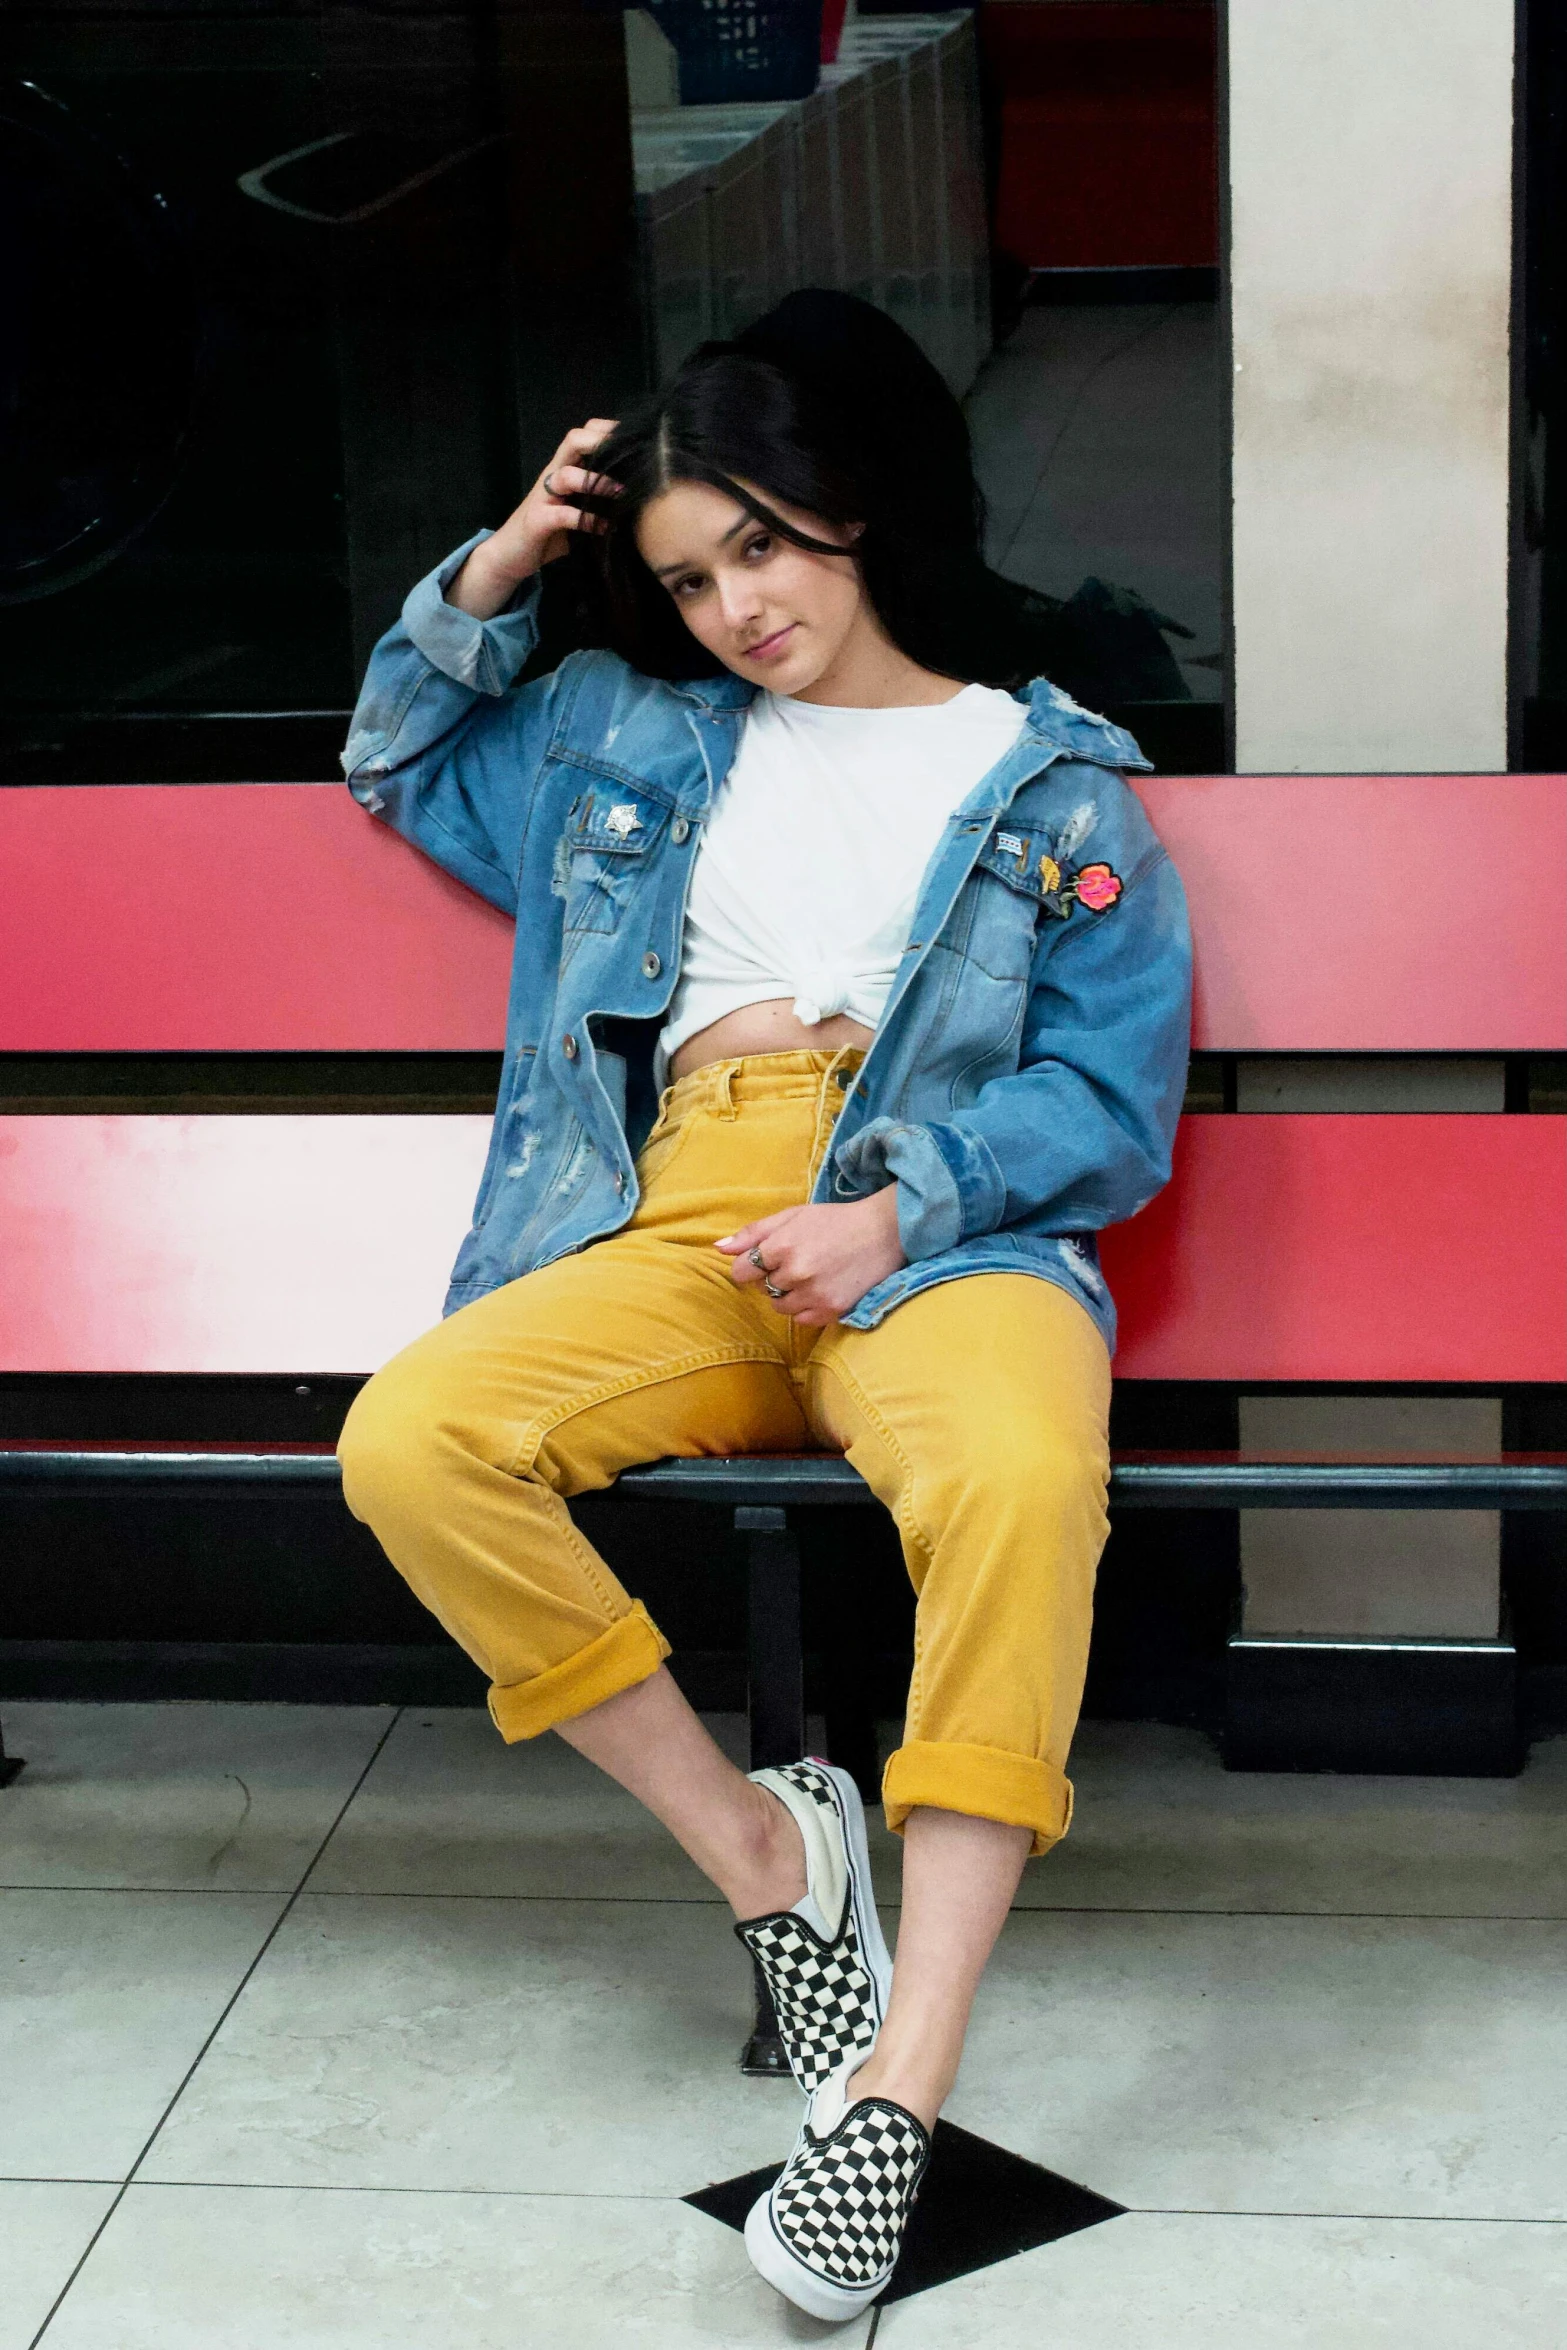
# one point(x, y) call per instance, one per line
point(600, 853)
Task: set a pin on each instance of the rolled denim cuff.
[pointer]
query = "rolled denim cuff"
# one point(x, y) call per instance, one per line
point(482, 654)
point(631, 1650)
point(949, 1185)
point(983, 1782)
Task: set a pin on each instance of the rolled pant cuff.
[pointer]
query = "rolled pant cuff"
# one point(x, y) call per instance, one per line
point(628, 1652)
point(983, 1781)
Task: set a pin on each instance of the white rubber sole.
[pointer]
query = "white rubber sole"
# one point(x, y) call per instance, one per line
point(817, 2296)
point(867, 1925)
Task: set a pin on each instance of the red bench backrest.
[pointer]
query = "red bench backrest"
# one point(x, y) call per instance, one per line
point(1327, 1248)
point(237, 918)
point(1331, 914)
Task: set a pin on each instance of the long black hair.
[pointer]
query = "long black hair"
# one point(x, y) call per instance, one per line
point(827, 406)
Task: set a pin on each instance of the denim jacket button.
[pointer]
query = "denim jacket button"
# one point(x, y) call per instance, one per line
point(680, 832)
point(651, 966)
point(568, 1045)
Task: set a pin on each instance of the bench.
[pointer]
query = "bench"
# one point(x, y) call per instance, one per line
point(1358, 1250)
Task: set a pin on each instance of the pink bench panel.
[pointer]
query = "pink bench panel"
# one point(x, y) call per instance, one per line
point(228, 1244)
point(265, 917)
point(1372, 913)
point(1351, 1248)
point(1331, 913)
point(1327, 1248)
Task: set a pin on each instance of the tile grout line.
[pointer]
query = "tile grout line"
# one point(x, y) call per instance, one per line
point(228, 2008)
point(1395, 1917)
point(1208, 2211)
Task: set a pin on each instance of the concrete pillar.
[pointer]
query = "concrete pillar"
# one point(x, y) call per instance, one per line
point(1371, 253)
point(1370, 169)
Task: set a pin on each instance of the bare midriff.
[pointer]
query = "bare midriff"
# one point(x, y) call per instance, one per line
point(769, 1027)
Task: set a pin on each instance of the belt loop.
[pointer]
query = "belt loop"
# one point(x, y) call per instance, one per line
point(726, 1087)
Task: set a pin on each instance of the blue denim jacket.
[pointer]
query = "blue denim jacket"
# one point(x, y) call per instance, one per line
point(1025, 1077)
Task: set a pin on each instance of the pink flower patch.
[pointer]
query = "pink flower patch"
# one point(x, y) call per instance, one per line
point(1097, 887)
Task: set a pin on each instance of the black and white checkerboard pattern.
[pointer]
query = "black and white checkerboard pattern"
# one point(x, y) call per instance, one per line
point(823, 1992)
point(843, 2201)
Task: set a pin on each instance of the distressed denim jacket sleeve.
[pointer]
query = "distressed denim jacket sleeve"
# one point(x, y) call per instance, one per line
point(443, 745)
point(1081, 1135)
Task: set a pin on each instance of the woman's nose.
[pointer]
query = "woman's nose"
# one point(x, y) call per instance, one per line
point(739, 599)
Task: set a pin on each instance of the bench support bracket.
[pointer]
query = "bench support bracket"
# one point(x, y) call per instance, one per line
point(10, 1764)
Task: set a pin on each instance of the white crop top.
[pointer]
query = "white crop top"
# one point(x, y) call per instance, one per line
point(818, 840)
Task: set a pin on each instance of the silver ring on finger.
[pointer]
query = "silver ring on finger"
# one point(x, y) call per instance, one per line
point(547, 484)
point(773, 1290)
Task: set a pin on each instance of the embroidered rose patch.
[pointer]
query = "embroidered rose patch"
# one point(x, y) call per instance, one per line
point(1096, 887)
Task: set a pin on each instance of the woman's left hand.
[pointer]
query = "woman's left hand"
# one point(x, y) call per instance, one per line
point(823, 1258)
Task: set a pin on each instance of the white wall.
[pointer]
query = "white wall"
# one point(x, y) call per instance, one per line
point(1370, 173)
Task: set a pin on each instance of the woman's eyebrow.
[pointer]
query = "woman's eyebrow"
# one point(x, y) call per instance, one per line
point(668, 570)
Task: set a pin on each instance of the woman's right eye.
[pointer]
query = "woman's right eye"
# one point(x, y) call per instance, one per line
point(687, 587)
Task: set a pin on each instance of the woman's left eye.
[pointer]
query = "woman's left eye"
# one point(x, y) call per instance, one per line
point(762, 544)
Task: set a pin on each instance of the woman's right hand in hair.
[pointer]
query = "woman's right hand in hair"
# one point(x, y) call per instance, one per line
point(539, 530)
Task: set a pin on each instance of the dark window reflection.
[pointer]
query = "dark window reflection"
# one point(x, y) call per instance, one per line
point(297, 296)
point(300, 295)
point(1100, 424)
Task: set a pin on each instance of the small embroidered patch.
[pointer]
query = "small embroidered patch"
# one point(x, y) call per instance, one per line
point(623, 820)
point(1049, 872)
point(1096, 887)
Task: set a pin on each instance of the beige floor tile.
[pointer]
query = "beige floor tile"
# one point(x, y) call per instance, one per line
point(45, 2226)
point(192, 2268)
point(1160, 1824)
point(1309, 2065)
point(451, 1808)
point(105, 2000)
point(233, 1798)
point(1187, 2282)
point(584, 2047)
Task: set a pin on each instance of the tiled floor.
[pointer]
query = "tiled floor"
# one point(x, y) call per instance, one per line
point(350, 2031)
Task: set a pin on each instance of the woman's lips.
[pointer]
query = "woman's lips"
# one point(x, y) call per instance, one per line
point(771, 646)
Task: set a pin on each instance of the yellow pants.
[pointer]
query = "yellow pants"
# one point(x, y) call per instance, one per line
point(977, 1413)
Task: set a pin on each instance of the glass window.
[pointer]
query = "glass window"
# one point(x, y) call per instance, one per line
point(300, 295)
point(303, 291)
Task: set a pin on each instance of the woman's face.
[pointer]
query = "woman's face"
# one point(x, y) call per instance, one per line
point(771, 612)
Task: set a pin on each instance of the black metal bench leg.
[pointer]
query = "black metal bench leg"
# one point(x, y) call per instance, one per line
point(10, 1764)
point(853, 1595)
point(775, 1671)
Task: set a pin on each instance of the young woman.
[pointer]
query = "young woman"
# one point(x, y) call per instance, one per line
point(850, 1001)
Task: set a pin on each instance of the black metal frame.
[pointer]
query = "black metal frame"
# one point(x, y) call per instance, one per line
point(777, 1481)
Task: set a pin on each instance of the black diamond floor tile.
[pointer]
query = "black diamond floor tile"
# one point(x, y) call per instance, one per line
point(978, 2204)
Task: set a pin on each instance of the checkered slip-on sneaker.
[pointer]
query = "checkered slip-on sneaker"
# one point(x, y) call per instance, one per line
point(825, 1961)
point(828, 2235)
